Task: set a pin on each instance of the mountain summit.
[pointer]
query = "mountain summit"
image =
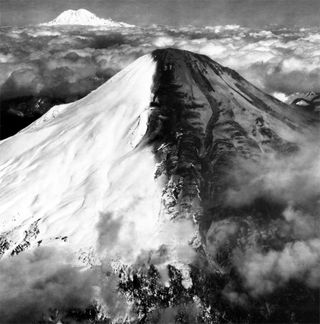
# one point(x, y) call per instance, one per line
point(155, 167)
point(85, 18)
point(156, 140)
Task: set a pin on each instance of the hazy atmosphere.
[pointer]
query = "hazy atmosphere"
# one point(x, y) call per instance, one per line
point(253, 13)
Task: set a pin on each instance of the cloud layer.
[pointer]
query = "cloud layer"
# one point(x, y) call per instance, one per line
point(48, 282)
point(69, 62)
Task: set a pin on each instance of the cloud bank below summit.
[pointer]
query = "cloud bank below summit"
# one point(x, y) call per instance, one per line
point(68, 61)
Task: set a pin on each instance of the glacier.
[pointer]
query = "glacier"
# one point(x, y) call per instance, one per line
point(83, 17)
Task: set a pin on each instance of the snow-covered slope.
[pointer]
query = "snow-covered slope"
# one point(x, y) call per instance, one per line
point(83, 17)
point(79, 167)
point(78, 164)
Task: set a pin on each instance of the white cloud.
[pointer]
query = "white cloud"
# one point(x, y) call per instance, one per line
point(276, 60)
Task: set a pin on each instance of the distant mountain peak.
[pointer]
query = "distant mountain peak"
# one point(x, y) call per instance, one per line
point(83, 17)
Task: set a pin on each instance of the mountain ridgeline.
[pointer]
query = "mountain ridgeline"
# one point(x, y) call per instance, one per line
point(217, 139)
point(205, 119)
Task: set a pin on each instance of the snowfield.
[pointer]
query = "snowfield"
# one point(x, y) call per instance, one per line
point(83, 17)
point(78, 165)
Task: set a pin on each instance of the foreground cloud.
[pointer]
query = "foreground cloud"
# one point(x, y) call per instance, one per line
point(46, 283)
point(273, 232)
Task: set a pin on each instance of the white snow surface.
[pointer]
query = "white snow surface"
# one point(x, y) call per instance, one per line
point(78, 171)
point(85, 18)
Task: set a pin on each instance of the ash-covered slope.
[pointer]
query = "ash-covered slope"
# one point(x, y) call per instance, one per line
point(206, 123)
point(171, 162)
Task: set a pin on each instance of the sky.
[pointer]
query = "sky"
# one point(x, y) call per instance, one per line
point(252, 13)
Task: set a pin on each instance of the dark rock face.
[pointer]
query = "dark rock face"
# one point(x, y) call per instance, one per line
point(205, 119)
point(207, 126)
point(309, 101)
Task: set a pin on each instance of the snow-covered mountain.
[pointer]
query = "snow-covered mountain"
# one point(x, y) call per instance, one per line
point(141, 170)
point(83, 17)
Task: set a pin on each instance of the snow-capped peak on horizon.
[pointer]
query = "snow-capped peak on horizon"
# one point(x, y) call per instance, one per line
point(83, 17)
